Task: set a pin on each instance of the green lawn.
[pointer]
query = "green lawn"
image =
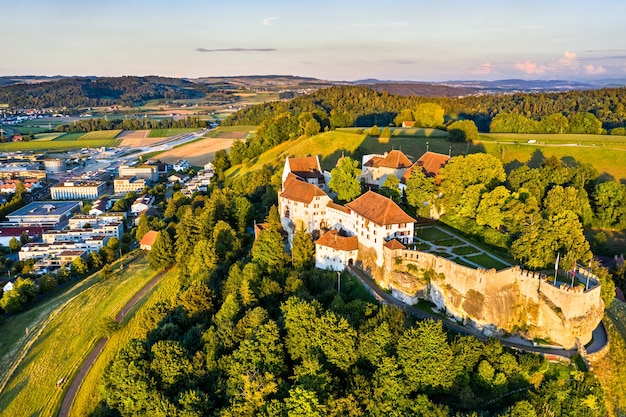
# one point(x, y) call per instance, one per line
point(166, 133)
point(448, 242)
point(432, 234)
point(464, 250)
point(66, 340)
point(486, 261)
point(89, 394)
point(606, 153)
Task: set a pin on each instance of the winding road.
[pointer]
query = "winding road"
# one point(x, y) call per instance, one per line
point(68, 399)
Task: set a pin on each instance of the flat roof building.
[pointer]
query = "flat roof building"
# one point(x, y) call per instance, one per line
point(83, 190)
point(45, 213)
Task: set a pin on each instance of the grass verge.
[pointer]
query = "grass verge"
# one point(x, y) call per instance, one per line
point(66, 340)
point(89, 394)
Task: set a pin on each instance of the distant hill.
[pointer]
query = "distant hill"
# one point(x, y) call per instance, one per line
point(78, 92)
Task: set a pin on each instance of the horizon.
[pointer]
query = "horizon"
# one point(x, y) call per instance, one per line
point(350, 40)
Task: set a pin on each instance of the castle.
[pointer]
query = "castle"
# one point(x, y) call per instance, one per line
point(372, 231)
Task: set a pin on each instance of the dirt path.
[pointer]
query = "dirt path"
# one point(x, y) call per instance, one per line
point(68, 399)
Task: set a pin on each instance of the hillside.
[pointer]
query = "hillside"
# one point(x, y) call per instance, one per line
point(80, 92)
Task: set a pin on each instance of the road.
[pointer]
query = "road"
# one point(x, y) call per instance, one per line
point(600, 338)
point(68, 399)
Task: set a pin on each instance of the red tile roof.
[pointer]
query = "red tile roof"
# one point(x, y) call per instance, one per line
point(394, 244)
point(394, 159)
point(430, 162)
point(149, 238)
point(332, 239)
point(297, 190)
point(379, 209)
point(306, 167)
point(338, 207)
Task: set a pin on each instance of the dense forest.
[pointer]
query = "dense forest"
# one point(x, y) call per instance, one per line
point(105, 91)
point(255, 331)
point(362, 106)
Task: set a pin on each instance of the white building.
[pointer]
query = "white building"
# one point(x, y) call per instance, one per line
point(146, 172)
point(79, 190)
point(372, 218)
point(334, 252)
point(377, 168)
point(125, 185)
point(306, 169)
point(141, 204)
point(181, 165)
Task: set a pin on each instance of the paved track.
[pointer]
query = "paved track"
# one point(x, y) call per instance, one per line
point(66, 405)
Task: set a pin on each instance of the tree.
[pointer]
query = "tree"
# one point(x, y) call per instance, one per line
point(429, 115)
point(386, 133)
point(312, 128)
point(405, 115)
point(463, 131)
point(610, 202)
point(12, 301)
point(391, 188)
point(489, 211)
point(374, 131)
point(425, 356)
point(162, 254)
point(78, 267)
point(585, 123)
point(24, 239)
point(302, 249)
point(421, 192)
point(14, 244)
point(345, 179)
point(143, 226)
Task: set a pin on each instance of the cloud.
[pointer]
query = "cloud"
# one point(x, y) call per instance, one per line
point(593, 70)
point(268, 20)
point(237, 50)
point(530, 67)
point(602, 51)
point(483, 69)
point(569, 55)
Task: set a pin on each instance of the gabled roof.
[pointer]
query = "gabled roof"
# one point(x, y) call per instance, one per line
point(430, 162)
point(379, 209)
point(394, 159)
point(297, 190)
point(394, 244)
point(149, 238)
point(306, 167)
point(332, 239)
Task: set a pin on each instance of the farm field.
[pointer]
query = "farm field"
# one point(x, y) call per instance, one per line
point(101, 134)
point(198, 152)
point(44, 137)
point(57, 144)
point(165, 133)
point(89, 395)
point(31, 390)
point(69, 136)
point(231, 132)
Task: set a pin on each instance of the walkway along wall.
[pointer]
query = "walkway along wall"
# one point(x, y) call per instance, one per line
point(512, 300)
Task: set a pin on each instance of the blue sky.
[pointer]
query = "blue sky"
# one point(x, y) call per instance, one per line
point(336, 40)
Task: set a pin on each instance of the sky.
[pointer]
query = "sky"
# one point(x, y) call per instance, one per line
point(327, 39)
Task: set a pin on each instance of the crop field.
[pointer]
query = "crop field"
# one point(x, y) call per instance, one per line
point(45, 137)
point(231, 132)
point(69, 136)
point(165, 133)
point(57, 145)
point(66, 340)
point(101, 135)
point(197, 152)
point(89, 395)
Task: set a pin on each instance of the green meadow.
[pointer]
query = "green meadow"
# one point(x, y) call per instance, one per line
point(166, 133)
point(53, 354)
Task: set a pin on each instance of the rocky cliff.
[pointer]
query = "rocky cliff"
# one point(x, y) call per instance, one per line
point(511, 301)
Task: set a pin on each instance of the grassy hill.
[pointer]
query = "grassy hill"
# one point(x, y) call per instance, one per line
point(606, 154)
point(350, 142)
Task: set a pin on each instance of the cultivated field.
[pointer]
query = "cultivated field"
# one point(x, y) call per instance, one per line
point(66, 340)
point(198, 152)
point(58, 144)
point(137, 138)
point(101, 134)
point(166, 133)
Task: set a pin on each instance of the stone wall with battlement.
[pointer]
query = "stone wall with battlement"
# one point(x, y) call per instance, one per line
point(512, 300)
